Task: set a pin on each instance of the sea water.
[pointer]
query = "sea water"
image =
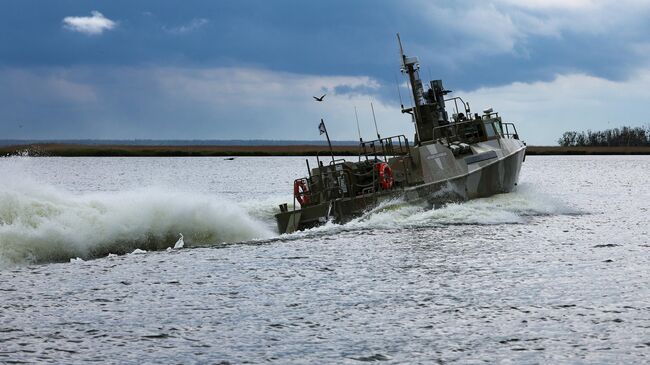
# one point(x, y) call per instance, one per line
point(554, 272)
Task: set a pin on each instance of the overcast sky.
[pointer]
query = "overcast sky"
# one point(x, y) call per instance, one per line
point(126, 69)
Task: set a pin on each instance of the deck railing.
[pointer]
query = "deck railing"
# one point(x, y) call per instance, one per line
point(509, 130)
point(385, 147)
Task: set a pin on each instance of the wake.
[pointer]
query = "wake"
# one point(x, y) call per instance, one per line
point(513, 208)
point(39, 223)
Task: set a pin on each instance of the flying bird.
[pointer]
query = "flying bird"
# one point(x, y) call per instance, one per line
point(319, 99)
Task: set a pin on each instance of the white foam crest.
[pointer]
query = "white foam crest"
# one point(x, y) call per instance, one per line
point(39, 223)
point(390, 214)
point(511, 208)
point(526, 200)
point(266, 208)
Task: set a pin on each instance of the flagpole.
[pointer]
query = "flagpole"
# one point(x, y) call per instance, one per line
point(329, 143)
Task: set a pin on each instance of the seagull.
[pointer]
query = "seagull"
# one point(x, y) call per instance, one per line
point(180, 243)
point(319, 99)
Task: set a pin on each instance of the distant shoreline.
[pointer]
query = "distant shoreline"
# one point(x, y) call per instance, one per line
point(79, 150)
point(560, 151)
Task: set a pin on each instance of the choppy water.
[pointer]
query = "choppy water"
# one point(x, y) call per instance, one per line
point(555, 272)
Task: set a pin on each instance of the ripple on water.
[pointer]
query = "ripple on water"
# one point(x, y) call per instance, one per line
point(519, 278)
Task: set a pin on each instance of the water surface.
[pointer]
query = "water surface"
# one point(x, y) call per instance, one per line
point(554, 272)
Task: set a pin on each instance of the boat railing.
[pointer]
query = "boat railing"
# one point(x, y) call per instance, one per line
point(471, 131)
point(455, 100)
point(509, 130)
point(333, 183)
point(310, 194)
point(337, 161)
point(457, 131)
point(385, 147)
point(334, 161)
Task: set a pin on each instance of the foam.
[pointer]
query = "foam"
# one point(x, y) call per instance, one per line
point(513, 208)
point(40, 223)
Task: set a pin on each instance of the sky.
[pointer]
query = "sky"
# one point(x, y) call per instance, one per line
point(161, 69)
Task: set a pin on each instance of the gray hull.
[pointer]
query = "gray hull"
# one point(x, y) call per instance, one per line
point(492, 168)
point(494, 177)
point(463, 157)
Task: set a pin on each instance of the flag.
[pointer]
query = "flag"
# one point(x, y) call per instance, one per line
point(322, 129)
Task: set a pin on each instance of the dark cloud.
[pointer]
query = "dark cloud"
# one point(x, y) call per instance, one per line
point(468, 44)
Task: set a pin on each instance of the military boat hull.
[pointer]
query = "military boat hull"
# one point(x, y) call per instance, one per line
point(453, 159)
point(479, 179)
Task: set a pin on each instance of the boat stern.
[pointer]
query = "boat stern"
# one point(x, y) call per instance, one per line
point(289, 221)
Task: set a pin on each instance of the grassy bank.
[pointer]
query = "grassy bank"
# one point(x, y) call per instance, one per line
point(77, 150)
point(555, 150)
point(73, 150)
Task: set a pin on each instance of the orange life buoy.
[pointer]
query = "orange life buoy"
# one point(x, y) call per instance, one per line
point(385, 175)
point(301, 191)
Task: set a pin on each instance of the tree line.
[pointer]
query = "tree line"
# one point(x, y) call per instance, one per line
point(617, 137)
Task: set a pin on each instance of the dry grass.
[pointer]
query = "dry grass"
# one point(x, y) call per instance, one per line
point(548, 150)
point(72, 150)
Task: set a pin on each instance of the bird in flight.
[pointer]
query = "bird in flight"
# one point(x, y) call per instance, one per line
point(319, 99)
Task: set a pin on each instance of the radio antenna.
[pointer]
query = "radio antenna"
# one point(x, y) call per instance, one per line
point(399, 93)
point(375, 120)
point(358, 129)
point(401, 50)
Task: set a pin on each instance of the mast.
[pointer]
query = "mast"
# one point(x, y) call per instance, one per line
point(428, 106)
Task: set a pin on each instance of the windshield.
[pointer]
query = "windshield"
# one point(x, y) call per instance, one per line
point(489, 130)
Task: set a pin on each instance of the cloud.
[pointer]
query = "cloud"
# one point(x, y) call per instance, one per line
point(189, 27)
point(513, 27)
point(92, 25)
point(550, 4)
point(252, 103)
point(484, 29)
point(56, 86)
point(191, 103)
point(255, 103)
point(544, 110)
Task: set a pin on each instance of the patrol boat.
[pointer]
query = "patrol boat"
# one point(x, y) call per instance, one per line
point(450, 160)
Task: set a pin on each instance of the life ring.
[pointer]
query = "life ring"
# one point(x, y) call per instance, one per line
point(385, 175)
point(301, 191)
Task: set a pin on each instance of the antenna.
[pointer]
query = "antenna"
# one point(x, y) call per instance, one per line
point(401, 50)
point(358, 129)
point(375, 119)
point(410, 68)
point(401, 103)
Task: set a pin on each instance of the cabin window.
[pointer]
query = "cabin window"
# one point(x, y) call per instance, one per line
point(497, 127)
point(489, 130)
